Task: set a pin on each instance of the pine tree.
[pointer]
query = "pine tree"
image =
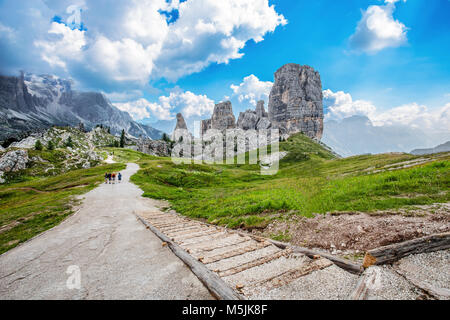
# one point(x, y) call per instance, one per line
point(122, 139)
point(38, 145)
point(165, 137)
point(69, 142)
point(50, 145)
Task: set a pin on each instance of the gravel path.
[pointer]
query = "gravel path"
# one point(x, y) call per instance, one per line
point(114, 254)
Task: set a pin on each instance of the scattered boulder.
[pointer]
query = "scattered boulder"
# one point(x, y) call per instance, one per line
point(13, 161)
point(248, 120)
point(296, 101)
point(157, 148)
point(27, 143)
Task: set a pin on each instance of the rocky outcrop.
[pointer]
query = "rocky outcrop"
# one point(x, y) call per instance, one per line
point(295, 102)
point(181, 124)
point(13, 161)
point(260, 110)
point(222, 118)
point(205, 126)
point(157, 148)
point(254, 119)
point(247, 120)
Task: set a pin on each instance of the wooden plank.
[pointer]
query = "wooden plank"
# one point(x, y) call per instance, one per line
point(196, 229)
point(254, 263)
point(212, 237)
point(153, 216)
point(340, 262)
point(208, 248)
point(212, 281)
point(196, 235)
point(178, 228)
point(395, 252)
point(234, 253)
point(365, 283)
point(291, 275)
point(167, 223)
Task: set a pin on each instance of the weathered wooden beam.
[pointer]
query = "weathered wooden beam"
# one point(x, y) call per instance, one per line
point(234, 252)
point(195, 235)
point(394, 252)
point(254, 263)
point(340, 262)
point(293, 274)
point(364, 285)
point(211, 280)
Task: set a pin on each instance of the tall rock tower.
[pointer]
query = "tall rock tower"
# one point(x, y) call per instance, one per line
point(296, 101)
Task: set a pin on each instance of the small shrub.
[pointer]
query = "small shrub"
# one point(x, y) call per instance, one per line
point(38, 145)
point(50, 146)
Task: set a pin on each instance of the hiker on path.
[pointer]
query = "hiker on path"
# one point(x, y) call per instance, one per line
point(106, 177)
point(109, 178)
point(114, 177)
point(119, 177)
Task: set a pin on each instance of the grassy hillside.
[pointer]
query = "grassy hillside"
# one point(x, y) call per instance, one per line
point(310, 180)
point(37, 204)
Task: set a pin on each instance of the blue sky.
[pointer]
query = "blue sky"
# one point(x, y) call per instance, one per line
point(387, 60)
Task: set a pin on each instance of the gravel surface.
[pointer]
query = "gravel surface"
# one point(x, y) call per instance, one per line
point(430, 271)
point(118, 258)
point(331, 283)
point(388, 285)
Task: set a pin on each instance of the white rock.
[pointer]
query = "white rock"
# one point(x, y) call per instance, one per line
point(14, 161)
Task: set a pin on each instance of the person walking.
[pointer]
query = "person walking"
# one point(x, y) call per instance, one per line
point(114, 177)
point(119, 177)
point(109, 178)
point(106, 177)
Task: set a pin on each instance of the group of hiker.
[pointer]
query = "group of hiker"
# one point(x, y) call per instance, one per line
point(111, 178)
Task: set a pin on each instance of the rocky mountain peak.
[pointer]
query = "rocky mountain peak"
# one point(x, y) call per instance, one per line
point(181, 123)
point(296, 101)
point(31, 102)
point(222, 118)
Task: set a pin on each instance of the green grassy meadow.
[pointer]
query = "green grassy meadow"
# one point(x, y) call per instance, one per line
point(311, 180)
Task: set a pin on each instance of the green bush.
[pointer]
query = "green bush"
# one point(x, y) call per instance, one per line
point(50, 145)
point(38, 145)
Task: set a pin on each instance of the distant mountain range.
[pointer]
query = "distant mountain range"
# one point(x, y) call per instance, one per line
point(357, 135)
point(30, 102)
point(445, 147)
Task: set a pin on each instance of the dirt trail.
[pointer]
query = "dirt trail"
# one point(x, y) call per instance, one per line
point(116, 256)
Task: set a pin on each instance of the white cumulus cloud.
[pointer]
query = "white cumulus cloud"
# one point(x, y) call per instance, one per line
point(130, 42)
point(378, 29)
point(340, 105)
point(252, 90)
point(188, 103)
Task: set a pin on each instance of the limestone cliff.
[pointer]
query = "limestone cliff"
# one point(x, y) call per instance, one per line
point(296, 101)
